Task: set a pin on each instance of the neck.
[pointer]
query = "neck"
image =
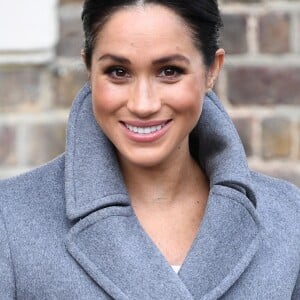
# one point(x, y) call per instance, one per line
point(166, 184)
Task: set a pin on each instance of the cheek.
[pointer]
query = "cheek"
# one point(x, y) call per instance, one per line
point(106, 97)
point(188, 96)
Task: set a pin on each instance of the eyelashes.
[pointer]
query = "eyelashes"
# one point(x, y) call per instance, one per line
point(171, 71)
point(167, 73)
point(117, 72)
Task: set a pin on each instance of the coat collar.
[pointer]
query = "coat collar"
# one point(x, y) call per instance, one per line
point(217, 147)
point(93, 178)
point(107, 241)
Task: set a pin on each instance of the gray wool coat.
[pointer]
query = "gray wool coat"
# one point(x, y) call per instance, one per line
point(67, 230)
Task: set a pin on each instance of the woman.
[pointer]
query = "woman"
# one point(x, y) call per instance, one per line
point(150, 200)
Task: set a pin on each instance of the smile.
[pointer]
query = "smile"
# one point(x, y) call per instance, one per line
point(144, 130)
point(147, 131)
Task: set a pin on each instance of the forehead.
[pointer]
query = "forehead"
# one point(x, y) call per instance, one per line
point(144, 28)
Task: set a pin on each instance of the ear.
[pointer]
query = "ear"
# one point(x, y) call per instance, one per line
point(83, 57)
point(215, 68)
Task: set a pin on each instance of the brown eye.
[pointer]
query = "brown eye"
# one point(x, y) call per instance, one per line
point(117, 73)
point(170, 72)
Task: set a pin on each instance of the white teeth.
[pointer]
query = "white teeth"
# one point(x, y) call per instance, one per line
point(144, 130)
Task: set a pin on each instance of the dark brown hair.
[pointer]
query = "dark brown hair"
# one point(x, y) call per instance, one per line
point(202, 16)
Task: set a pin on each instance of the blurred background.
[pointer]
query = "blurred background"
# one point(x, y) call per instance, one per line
point(41, 72)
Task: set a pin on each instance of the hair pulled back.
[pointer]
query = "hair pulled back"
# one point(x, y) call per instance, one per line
point(202, 16)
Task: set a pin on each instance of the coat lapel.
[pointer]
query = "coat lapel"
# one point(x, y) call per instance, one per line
point(116, 252)
point(113, 249)
point(226, 243)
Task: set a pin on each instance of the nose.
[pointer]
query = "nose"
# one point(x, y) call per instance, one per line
point(143, 101)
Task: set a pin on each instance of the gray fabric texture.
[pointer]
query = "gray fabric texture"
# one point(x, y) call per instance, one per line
point(67, 229)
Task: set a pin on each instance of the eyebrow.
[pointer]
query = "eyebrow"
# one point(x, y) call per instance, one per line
point(159, 61)
point(116, 58)
point(171, 58)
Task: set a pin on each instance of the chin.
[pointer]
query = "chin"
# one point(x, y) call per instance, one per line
point(144, 160)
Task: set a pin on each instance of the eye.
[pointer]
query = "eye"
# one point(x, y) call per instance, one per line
point(170, 72)
point(118, 73)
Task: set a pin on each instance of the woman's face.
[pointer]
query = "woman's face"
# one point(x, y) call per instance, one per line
point(148, 83)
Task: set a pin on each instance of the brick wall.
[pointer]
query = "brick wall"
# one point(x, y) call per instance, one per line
point(261, 81)
point(260, 86)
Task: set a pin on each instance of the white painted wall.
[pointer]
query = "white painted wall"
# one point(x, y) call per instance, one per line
point(28, 30)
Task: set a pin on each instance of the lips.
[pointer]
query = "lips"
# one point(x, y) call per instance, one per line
point(151, 131)
point(145, 129)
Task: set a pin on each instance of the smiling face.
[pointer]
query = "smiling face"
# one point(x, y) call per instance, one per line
point(148, 83)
